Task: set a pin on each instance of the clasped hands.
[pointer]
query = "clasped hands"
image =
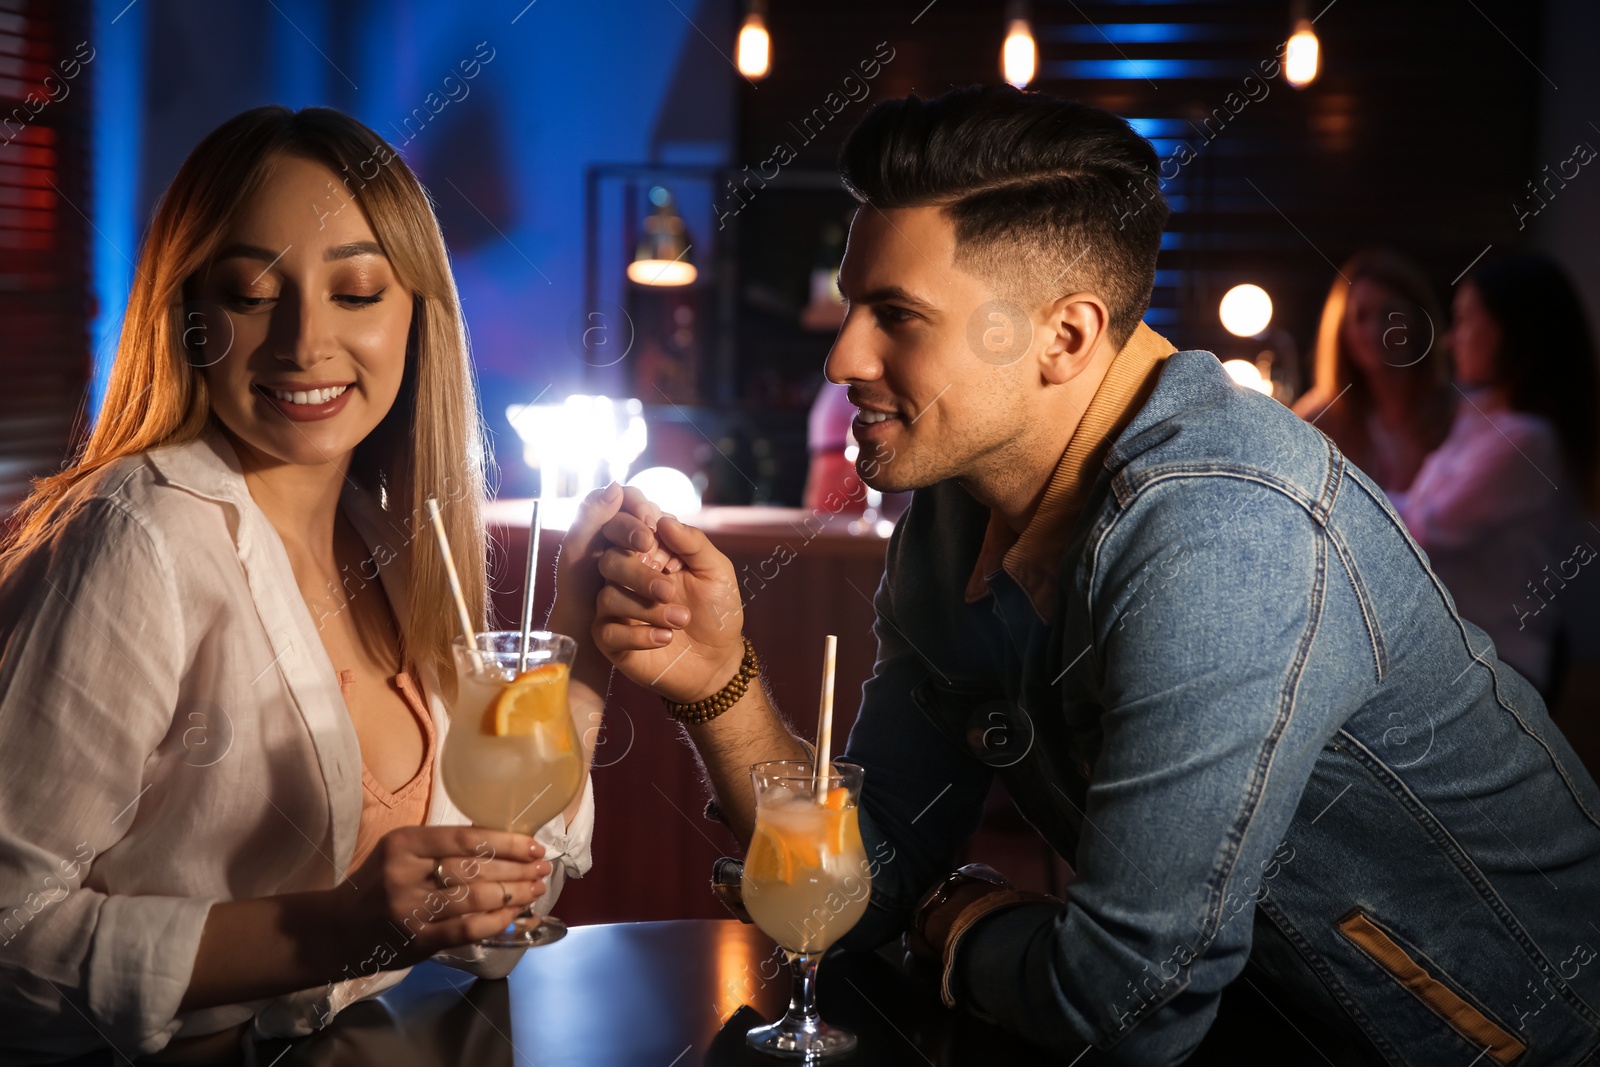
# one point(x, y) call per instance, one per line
point(667, 609)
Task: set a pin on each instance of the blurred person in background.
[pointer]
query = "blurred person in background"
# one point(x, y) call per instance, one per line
point(832, 473)
point(1499, 506)
point(1380, 384)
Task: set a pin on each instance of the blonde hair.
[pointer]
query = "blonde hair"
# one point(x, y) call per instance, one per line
point(1332, 369)
point(1334, 372)
point(431, 442)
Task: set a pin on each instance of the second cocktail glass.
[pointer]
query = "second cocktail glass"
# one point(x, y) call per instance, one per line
point(512, 758)
point(806, 883)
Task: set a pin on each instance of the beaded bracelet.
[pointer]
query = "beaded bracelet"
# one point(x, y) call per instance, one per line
point(703, 711)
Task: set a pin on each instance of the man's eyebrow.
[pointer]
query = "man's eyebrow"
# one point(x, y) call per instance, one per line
point(267, 255)
point(894, 294)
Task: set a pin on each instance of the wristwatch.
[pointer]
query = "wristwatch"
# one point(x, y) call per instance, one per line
point(727, 885)
point(953, 906)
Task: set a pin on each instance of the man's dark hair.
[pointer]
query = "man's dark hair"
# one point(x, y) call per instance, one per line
point(1070, 184)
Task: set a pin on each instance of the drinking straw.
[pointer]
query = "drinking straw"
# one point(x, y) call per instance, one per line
point(527, 590)
point(455, 583)
point(830, 646)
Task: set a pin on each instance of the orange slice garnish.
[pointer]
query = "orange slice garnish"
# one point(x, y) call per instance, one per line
point(535, 698)
point(768, 860)
point(778, 852)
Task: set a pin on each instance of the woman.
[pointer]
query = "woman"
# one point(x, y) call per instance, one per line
point(1498, 508)
point(225, 627)
point(1381, 385)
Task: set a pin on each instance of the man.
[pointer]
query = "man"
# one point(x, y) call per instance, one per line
point(1193, 641)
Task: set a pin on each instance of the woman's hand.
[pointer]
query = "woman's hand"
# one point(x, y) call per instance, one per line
point(392, 913)
point(672, 626)
point(578, 579)
point(577, 563)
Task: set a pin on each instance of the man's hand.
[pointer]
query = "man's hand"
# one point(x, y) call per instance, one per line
point(672, 625)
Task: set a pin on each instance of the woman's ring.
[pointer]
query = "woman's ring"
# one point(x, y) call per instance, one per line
point(438, 873)
point(507, 899)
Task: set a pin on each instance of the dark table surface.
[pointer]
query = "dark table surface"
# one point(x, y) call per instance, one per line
point(672, 994)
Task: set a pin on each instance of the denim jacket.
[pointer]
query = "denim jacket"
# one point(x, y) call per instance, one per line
point(1261, 733)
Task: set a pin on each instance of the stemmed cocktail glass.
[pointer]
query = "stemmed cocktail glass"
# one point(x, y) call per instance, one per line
point(512, 758)
point(806, 882)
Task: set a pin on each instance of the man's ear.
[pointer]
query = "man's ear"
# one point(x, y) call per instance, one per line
point(1076, 324)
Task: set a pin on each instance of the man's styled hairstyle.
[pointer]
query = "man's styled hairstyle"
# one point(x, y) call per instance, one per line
point(1048, 196)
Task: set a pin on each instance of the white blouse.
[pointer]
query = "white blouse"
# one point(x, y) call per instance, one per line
point(172, 734)
point(1494, 508)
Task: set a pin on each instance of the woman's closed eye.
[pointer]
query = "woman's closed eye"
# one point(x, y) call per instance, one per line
point(362, 301)
point(354, 300)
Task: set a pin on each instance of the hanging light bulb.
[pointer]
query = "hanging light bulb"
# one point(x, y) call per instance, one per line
point(755, 44)
point(1019, 56)
point(662, 255)
point(1302, 60)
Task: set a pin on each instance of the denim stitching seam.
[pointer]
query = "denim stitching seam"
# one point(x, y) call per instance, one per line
point(1319, 964)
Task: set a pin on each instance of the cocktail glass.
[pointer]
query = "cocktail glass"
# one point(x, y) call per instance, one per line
point(806, 882)
point(512, 758)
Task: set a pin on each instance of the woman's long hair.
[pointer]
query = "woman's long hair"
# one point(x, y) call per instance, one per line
point(431, 442)
point(1336, 376)
point(1547, 355)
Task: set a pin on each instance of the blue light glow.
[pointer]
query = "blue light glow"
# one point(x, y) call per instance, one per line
point(1138, 32)
point(117, 127)
point(1122, 69)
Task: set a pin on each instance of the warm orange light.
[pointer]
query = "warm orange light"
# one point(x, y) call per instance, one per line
point(1248, 375)
point(662, 272)
point(755, 47)
point(662, 255)
point(1246, 310)
point(1302, 60)
point(1019, 58)
point(738, 971)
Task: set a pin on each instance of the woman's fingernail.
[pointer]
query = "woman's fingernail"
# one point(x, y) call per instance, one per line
point(660, 636)
point(535, 849)
point(611, 491)
point(541, 869)
point(639, 539)
point(652, 564)
point(678, 615)
point(661, 589)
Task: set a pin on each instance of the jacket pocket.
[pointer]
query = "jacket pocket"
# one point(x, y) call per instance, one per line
point(1461, 1016)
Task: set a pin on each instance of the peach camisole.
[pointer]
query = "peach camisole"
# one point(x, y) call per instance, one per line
point(381, 810)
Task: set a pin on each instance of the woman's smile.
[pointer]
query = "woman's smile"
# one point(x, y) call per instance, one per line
point(306, 402)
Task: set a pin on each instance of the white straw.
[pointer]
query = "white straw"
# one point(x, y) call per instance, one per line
point(830, 646)
point(455, 583)
point(527, 590)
